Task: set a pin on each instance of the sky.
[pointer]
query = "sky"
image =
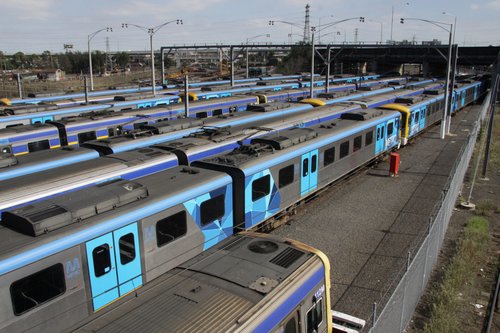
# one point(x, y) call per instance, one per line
point(32, 26)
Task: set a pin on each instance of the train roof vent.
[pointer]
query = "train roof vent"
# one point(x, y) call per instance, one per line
point(287, 138)
point(213, 88)
point(405, 100)
point(261, 83)
point(190, 171)
point(172, 125)
point(360, 115)
point(266, 107)
point(433, 92)
point(287, 257)
point(326, 95)
point(49, 215)
point(212, 132)
point(394, 83)
point(7, 160)
point(119, 98)
point(263, 246)
point(368, 88)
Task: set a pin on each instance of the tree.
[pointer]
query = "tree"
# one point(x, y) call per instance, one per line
point(19, 59)
point(298, 60)
point(122, 59)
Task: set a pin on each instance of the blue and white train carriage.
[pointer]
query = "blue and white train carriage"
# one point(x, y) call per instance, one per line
point(65, 258)
point(277, 170)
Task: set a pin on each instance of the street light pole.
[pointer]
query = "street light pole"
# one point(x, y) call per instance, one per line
point(447, 110)
point(454, 69)
point(89, 38)
point(311, 88)
point(151, 32)
point(246, 48)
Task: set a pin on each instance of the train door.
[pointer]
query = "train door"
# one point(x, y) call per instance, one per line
point(380, 139)
point(309, 173)
point(114, 264)
point(422, 117)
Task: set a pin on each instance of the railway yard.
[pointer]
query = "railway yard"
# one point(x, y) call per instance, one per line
point(130, 211)
point(371, 224)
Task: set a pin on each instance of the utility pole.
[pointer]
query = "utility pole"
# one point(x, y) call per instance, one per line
point(356, 30)
point(186, 96)
point(307, 27)
point(495, 78)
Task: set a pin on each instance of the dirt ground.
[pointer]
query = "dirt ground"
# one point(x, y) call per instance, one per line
point(478, 293)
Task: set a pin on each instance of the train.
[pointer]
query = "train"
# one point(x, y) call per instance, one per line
point(73, 130)
point(144, 161)
point(269, 284)
point(95, 248)
point(21, 139)
point(35, 114)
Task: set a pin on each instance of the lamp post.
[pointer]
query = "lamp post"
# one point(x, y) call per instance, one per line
point(334, 33)
point(151, 32)
point(319, 25)
point(392, 18)
point(381, 28)
point(323, 27)
point(448, 68)
point(249, 39)
point(272, 22)
point(454, 70)
point(89, 38)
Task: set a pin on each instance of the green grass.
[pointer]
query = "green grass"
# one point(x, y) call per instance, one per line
point(447, 300)
point(486, 208)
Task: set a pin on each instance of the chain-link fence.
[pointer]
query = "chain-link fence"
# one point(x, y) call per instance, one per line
point(400, 305)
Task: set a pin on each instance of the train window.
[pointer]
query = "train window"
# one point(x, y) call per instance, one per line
point(390, 129)
point(38, 288)
point(38, 145)
point(314, 163)
point(111, 132)
point(417, 116)
point(305, 167)
point(127, 248)
point(329, 156)
point(261, 187)
point(102, 260)
point(171, 228)
point(369, 138)
point(13, 125)
point(201, 115)
point(285, 176)
point(344, 149)
point(217, 112)
point(292, 325)
point(378, 134)
point(87, 136)
point(315, 316)
point(212, 209)
point(358, 142)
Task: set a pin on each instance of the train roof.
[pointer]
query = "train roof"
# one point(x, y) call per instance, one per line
point(217, 291)
point(295, 141)
point(34, 186)
point(46, 227)
point(9, 132)
point(46, 159)
point(144, 137)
